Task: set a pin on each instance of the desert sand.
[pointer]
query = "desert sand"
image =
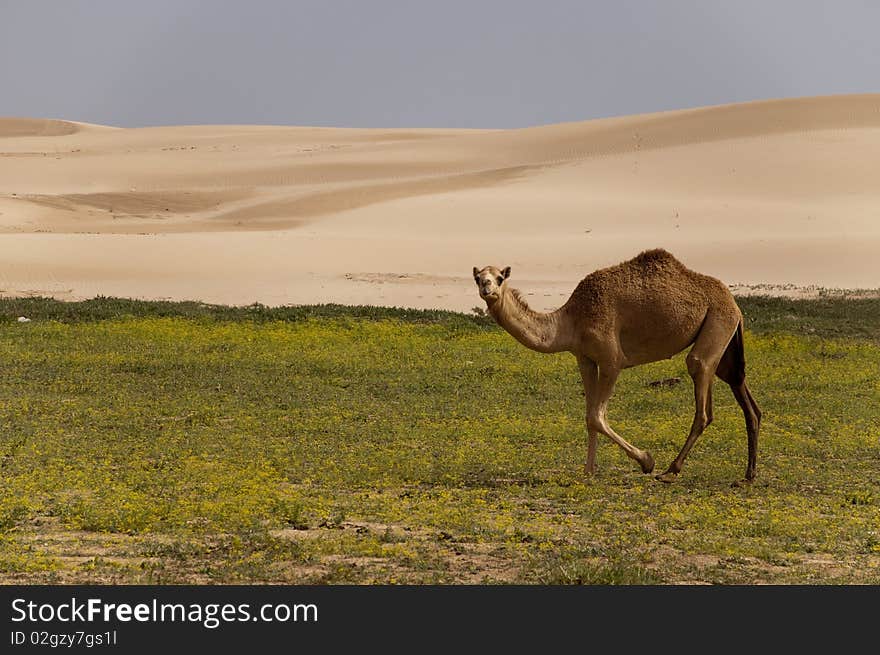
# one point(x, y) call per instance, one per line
point(779, 196)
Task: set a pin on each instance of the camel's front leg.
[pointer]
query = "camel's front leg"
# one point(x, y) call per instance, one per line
point(596, 420)
point(592, 442)
point(590, 377)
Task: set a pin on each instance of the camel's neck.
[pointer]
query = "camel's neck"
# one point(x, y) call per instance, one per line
point(545, 333)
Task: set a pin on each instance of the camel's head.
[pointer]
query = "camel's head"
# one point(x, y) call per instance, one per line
point(490, 282)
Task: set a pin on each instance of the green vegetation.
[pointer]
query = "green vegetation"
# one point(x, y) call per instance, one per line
point(146, 442)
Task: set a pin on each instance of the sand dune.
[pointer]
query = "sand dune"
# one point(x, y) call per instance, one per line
point(782, 193)
point(18, 127)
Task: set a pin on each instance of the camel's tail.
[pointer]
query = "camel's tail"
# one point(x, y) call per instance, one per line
point(735, 354)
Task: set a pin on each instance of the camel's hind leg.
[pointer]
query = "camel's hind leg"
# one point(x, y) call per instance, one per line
point(731, 369)
point(597, 404)
point(702, 362)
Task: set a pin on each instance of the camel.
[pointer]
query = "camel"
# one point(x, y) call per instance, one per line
point(645, 309)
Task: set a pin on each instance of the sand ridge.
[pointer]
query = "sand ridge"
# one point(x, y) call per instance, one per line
point(780, 193)
point(19, 127)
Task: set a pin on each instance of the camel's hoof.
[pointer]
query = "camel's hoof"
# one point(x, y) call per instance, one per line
point(648, 463)
point(668, 477)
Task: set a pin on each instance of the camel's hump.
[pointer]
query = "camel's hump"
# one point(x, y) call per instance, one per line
point(647, 261)
point(653, 257)
point(654, 264)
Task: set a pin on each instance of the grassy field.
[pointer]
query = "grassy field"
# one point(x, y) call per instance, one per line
point(179, 442)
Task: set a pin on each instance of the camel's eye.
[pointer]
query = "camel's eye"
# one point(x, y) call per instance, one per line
point(499, 280)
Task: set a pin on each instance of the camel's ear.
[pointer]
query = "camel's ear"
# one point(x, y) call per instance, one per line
point(476, 272)
point(506, 272)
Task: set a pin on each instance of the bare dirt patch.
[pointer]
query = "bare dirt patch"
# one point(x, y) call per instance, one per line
point(800, 292)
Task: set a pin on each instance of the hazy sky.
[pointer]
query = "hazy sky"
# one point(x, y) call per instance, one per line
point(443, 63)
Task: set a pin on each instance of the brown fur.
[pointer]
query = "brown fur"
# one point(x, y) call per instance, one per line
point(642, 310)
